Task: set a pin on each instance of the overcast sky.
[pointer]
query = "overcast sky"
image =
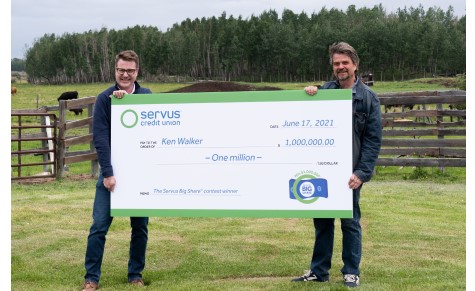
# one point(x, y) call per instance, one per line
point(31, 19)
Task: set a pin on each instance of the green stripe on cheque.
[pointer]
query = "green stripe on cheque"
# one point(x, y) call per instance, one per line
point(219, 97)
point(232, 213)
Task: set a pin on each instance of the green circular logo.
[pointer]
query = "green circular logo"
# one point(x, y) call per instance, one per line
point(129, 123)
point(295, 193)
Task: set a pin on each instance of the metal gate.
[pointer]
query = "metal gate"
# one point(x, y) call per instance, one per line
point(30, 140)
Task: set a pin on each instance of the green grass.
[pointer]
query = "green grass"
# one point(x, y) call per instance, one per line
point(32, 96)
point(425, 84)
point(427, 174)
point(413, 239)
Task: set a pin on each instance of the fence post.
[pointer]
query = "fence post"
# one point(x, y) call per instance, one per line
point(94, 163)
point(44, 143)
point(61, 135)
point(440, 119)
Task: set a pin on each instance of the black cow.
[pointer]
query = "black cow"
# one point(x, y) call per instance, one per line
point(76, 111)
point(367, 79)
point(68, 95)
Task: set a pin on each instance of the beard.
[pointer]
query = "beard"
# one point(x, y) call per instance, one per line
point(343, 77)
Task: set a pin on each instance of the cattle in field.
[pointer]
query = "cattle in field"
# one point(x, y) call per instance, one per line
point(68, 95)
point(394, 107)
point(14, 90)
point(76, 111)
point(367, 79)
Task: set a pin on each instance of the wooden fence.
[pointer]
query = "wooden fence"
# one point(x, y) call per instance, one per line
point(25, 132)
point(66, 139)
point(70, 133)
point(431, 134)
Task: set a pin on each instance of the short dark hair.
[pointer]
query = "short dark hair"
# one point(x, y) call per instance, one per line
point(129, 56)
point(344, 49)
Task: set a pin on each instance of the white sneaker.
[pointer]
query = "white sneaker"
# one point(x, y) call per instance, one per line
point(308, 276)
point(351, 280)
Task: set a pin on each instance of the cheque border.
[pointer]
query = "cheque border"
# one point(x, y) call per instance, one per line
point(233, 97)
point(232, 213)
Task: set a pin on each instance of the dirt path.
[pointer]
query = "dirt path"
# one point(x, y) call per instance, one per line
point(214, 86)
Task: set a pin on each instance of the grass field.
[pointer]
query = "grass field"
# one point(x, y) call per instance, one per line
point(33, 96)
point(413, 239)
point(413, 230)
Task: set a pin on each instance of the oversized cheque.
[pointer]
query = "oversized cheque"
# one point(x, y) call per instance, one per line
point(236, 154)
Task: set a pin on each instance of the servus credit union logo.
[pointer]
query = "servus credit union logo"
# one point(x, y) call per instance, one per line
point(158, 118)
point(129, 118)
point(307, 187)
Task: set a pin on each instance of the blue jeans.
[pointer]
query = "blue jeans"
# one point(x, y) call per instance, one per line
point(97, 238)
point(324, 235)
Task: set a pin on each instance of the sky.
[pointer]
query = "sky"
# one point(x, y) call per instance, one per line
point(32, 19)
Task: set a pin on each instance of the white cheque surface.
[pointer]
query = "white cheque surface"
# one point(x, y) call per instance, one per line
point(256, 154)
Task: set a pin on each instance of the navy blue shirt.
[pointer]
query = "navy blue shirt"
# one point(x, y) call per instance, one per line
point(101, 126)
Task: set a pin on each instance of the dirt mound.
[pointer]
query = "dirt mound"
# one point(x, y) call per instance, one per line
point(446, 82)
point(214, 86)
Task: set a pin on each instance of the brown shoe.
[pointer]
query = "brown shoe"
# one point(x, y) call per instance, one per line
point(137, 282)
point(90, 286)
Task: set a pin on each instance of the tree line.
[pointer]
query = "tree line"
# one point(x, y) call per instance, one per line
point(18, 65)
point(409, 43)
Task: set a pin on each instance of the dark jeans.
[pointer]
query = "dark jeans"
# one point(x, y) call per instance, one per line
point(97, 238)
point(324, 235)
